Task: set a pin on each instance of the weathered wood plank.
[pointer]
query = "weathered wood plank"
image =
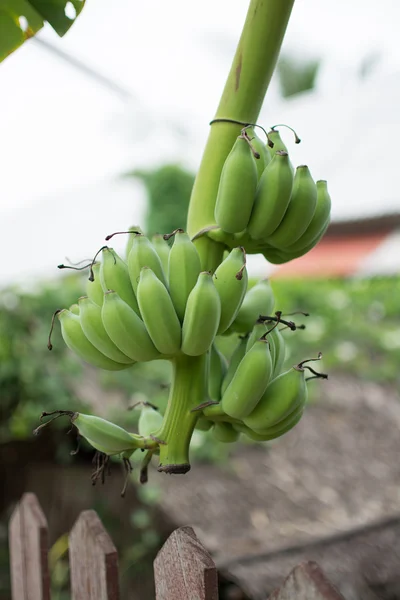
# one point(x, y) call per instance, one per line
point(93, 560)
point(306, 582)
point(184, 569)
point(28, 542)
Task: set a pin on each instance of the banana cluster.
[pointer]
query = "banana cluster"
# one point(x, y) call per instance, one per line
point(266, 206)
point(155, 305)
point(250, 393)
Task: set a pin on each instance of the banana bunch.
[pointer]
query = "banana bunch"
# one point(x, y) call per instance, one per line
point(266, 206)
point(159, 304)
point(251, 394)
point(155, 305)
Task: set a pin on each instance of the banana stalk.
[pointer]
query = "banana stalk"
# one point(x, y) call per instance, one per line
point(188, 390)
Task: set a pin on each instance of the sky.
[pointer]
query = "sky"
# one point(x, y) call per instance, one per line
point(66, 139)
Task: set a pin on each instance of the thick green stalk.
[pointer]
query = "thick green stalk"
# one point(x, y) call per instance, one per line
point(242, 98)
point(187, 392)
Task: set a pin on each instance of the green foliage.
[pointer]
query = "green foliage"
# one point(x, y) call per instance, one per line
point(168, 190)
point(296, 76)
point(14, 30)
point(354, 323)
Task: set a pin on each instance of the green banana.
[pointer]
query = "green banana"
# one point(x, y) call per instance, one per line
point(261, 149)
point(237, 187)
point(236, 357)
point(278, 257)
point(162, 248)
point(275, 137)
point(183, 270)
point(114, 275)
point(282, 425)
point(273, 433)
point(103, 435)
point(276, 338)
point(94, 291)
point(249, 382)
point(283, 395)
point(259, 300)
point(134, 231)
point(76, 341)
point(218, 367)
point(158, 313)
point(299, 213)
point(258, 331)
point(93, 328)
point(230, 280)
point(202, 316)
point(126, 329)
point(319, 220)
point(224, 432)
point(143, 254)
point(150, 421)
point(74, 308)
point(203, 424)
point(272, 197)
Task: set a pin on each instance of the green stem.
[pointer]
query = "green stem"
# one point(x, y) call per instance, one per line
point(187, 392)
point(242, 98)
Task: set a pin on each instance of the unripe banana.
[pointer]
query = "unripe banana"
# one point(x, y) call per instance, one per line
point(135, 230)
point(158, 313)
point(276, 338)
point(93, 328)
point(203, 424)
point(76, 341)
point(275, 137)
point(290, 420)
point(150, 421)
point(218, 367)
point(259, 300)
point(230, 280)
point(278, 257)
point(237, 187)
point(319, 220)
point(261, 148)
point(183, 270)
point(275, 432)
point(94, 291)
point(249, 382)
point(224, 432)
point(74, 308)
point(143, 254)
point(258, 331)
point(299, 213)
point(162, 248)
point(283, 395)
point(272, 197)
point(103, 435)
point(202, 316)
point(236, 357)
point(114, 275)
point(126, 329)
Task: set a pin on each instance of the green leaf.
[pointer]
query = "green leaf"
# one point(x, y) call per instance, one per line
point(21, 19)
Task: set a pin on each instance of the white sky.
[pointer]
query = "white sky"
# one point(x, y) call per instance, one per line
point(65, 139)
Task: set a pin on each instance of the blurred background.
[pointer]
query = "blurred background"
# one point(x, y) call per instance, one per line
point(104, 129)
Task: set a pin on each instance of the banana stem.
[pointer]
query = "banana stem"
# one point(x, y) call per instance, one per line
point(187, 392)
point(242, 98)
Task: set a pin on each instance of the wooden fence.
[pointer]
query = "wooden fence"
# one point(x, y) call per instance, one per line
point(183, 569)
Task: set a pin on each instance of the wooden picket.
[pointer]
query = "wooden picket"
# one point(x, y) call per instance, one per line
point(183, 569)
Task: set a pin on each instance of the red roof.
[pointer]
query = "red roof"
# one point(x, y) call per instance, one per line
point(334, 256)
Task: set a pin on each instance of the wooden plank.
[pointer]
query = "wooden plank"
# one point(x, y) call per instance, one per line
point(28, 542)
point(306, 581)
point(93, 560)
point(183, 569)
